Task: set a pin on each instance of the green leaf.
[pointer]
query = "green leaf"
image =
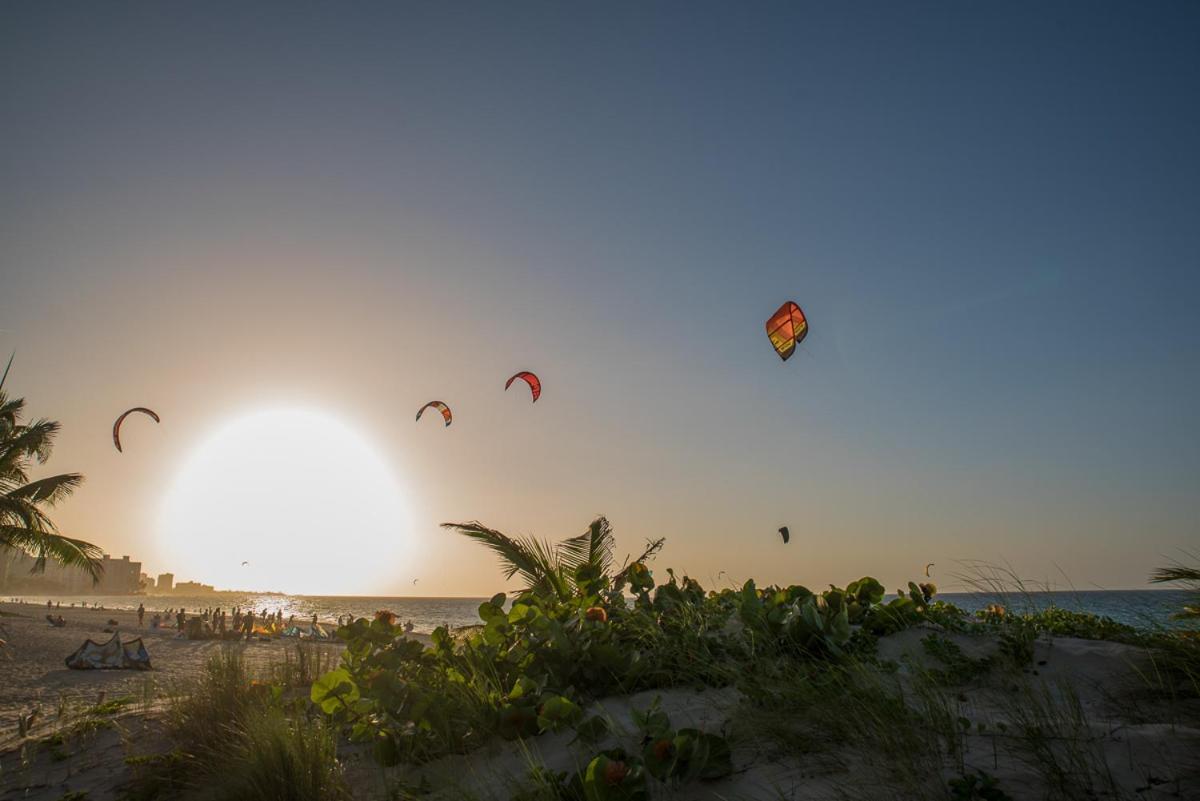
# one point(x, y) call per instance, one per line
point(334, 691)
point(558, 712)
point(592, 729)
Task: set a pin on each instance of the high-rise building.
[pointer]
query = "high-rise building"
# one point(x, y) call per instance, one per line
point(120, 577)
point(146, 582)
point(18, 572)
point(166, 582)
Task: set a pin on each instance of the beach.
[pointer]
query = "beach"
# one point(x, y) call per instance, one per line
point(36, 677)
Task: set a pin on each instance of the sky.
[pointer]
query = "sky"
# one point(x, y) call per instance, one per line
point(987, 211)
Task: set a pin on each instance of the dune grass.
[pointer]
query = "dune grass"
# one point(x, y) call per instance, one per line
point(814, 692)
point(237, 736)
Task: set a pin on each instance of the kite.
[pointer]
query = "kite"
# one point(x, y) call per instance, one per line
point(783, 532)
point(535, 384)
point(927, 569)
point(121, 419)
point(787, 329)
point(245, 563)
point(441, 407)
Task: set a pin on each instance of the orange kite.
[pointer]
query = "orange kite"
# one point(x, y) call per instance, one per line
point(787, 329)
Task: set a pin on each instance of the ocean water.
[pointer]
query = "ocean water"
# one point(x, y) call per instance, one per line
point(1141, 608)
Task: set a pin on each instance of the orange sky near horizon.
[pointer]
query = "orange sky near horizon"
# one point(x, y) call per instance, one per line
point(220, 210)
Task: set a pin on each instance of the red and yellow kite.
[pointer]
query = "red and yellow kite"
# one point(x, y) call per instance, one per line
point(441, 407)
point(535, 384)
point(787, 329)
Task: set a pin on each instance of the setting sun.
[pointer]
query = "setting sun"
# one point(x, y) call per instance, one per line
point(290, 492)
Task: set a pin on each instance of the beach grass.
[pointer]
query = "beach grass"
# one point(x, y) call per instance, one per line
point(865, 697)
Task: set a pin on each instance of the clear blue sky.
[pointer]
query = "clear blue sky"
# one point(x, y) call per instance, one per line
point(990, 213)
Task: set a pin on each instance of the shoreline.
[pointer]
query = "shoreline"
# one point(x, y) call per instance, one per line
point(36, 676)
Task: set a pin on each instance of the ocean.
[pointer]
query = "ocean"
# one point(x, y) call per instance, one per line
point(1141, 608)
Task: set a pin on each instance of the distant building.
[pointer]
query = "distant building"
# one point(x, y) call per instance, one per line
point(146, 582)
point(192, 587)
point(121, 576)
point(17, 575)
point(166, 581)
point(118, 576)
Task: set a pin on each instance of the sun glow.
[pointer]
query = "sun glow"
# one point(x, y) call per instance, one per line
point(300, 497)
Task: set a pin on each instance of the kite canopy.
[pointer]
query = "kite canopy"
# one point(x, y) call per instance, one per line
point(783, 532)
point(535, 384)
point(787, 329)
point(121, 419)
point(112, 655)
point(441, 407)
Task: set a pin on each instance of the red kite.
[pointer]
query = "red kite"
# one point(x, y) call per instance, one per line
point(535, 384)
point(121, 419)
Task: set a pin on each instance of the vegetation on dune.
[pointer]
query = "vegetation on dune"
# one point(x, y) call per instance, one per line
point(238, 736)
point(24, 523)
point(1187, 576)
point(810, 685)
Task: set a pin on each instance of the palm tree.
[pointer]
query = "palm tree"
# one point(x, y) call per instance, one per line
point(564, 569)
point(1189, 577)
point(24, 525)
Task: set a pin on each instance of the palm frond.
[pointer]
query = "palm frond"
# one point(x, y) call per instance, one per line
point(652, 548)
point(23, 525)
point(593, 547)
point(529, 558)
point(32, 441)
point(1174, 573)
point(17, 511)
point(43, 545)
point(48, 491)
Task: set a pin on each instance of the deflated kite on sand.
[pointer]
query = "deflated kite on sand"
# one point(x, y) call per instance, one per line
point(112, 655)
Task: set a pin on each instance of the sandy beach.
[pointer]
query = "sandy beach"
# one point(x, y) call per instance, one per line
point(35, 676)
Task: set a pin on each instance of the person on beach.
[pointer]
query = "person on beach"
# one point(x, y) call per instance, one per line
point(408, 627)
point(141, 614)
point(248, 626)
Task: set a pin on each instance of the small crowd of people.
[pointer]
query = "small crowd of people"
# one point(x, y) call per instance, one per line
point(234, 623)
